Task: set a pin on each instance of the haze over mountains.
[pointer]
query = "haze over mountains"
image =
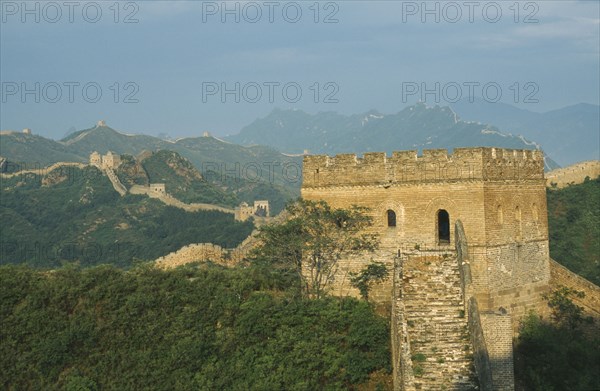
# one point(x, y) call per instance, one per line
point(567, 136)
point(415, 127)
point(205, 153)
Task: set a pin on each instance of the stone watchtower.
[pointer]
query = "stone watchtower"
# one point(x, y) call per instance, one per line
point(110, 160)
point(244, 211)
point(497, 195)
point(96, 159)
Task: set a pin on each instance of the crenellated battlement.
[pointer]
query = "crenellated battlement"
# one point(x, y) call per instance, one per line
point(434, 165)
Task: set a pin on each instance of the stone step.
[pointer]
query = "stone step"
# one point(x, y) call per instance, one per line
point(433, 303)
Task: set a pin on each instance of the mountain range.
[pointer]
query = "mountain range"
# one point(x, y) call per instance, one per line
point(223, 159)
point(569, 135)
point(416, 127)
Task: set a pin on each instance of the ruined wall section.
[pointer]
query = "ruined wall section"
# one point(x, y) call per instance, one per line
point(497, 331)
point(517, 276)
point(193, 253)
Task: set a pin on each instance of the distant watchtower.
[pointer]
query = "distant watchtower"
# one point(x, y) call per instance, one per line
point(245, 211)
point(96, 159)
point(109, 160)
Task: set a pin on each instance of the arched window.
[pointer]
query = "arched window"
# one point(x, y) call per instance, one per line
point(500, 215)
point(443, 226)
point(391, 218)
point(518, 223)
point(534, 212)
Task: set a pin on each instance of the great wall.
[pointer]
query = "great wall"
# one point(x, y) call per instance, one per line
point(172, 201)
point(466, 238)
point(574, 174)
point(44, 170)
point(109, 162)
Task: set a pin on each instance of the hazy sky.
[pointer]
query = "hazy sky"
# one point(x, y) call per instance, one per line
point(178, 67)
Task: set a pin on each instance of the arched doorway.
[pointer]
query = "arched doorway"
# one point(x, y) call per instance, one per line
point(443, 226)
point(391, 218)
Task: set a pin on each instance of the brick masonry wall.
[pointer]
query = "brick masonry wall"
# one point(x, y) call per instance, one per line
point(517, 275)
point(560, 275)
point(416, 206)
point(192, 253)
point(507, 254)
point(573, 174)
point(375, 168)
point(498, 333)
point(481, 356)
point(515, 212)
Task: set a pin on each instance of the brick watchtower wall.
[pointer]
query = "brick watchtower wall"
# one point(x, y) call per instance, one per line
point(512, 265)
point(498, 194)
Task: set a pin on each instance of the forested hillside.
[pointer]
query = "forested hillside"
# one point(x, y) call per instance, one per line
point(559, 352)
point(75, 215)
point(182, 180)
point(202, 328)
point(574, 228)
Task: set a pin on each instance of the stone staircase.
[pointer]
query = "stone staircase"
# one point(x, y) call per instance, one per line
point(440, 348)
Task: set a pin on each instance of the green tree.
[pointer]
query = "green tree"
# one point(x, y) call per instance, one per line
point(564, 311)
point(557, 354)
point(313, 239)
point(370, 274)
point(104, 328)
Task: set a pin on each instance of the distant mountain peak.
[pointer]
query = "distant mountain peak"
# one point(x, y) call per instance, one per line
point(79, 135)
point(418, 126)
